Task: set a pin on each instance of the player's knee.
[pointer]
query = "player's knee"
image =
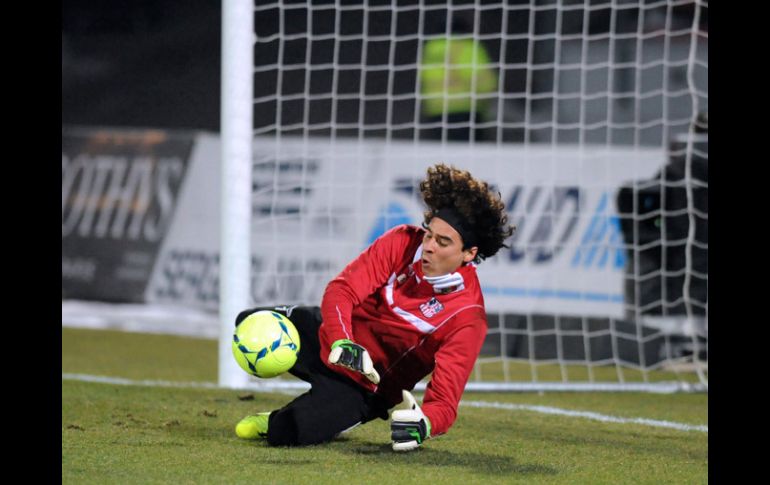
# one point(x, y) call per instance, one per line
point(282, 429)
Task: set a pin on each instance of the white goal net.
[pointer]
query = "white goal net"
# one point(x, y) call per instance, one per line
point(589, 117)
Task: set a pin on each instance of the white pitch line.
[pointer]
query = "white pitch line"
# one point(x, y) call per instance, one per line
point(131, 382)
point(291, 388)
point(286, 387)
point(586, 414)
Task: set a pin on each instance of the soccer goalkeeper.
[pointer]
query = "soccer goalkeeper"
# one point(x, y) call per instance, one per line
point(409, 305)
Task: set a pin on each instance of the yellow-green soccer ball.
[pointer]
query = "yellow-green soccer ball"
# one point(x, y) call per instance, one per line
point(265, 344)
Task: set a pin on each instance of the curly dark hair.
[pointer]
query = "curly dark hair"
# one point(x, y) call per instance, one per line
point(483, 210)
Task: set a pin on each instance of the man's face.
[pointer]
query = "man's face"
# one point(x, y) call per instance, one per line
point(442, 249)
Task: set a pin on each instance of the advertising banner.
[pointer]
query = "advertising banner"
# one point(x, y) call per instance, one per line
point(318, 203)
point(119, 193)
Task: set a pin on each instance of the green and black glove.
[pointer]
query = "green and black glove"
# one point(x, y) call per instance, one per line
point(410, 427)
point(351, 355)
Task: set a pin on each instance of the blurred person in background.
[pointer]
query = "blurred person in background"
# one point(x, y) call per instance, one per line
point(455, 75)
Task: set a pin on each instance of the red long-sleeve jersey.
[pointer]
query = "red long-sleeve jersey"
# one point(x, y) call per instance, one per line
point(382, 301)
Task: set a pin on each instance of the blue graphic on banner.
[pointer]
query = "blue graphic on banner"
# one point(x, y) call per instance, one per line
point(392, 215)
point(601, 241)
point(543, 244)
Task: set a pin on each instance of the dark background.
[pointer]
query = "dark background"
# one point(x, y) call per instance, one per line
point(156, 64)
point(141, 63)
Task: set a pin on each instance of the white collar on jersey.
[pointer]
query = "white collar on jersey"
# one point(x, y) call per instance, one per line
point(446, 283)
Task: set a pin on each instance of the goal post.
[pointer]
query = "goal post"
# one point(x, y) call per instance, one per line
point(589, 118)
point(235, 184)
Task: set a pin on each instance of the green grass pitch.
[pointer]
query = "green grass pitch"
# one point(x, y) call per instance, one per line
point(146, 434)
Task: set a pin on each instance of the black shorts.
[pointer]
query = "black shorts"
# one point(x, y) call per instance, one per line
point(334, 402)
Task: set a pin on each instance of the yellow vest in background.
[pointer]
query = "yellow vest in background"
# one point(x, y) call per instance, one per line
point(452, 71)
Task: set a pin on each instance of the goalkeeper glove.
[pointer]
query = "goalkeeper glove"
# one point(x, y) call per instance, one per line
point(410, 427)
point(351, 355)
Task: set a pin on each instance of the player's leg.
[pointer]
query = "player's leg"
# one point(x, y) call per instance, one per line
point(334, 404)
point(306, 320)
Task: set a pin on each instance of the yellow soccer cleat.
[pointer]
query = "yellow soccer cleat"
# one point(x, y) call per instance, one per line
point(252, 427)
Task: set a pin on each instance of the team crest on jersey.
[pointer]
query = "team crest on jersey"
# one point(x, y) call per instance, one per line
point(431, 307)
